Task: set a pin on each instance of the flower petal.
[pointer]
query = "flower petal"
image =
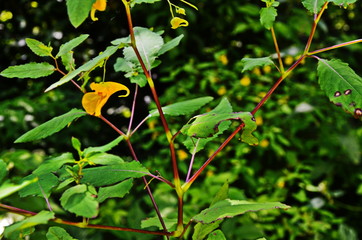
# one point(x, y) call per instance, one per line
point(89, 102)
point(99, 5)
point(178, 22)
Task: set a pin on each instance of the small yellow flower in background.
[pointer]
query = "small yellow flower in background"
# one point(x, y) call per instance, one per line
point(267, 69)
point(264, 143)
point(257, 71)
point(5, 15)
point(221, 91)
point(223, 59)
point(99, 5)
point(288, 60)
point(94, 101)
point(182, 155)
point(178, 22)
point(245, 81)
point(259, 120)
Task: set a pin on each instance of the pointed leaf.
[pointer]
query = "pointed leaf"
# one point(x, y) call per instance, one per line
point(216, 235)
point(80, 200)
point(58, 233)
point(170, 45)
point(105, 159)
point(341, 84)
point(313, 6)
point(251, 63)
point(231, 208)
point(41, 187)
point(41, 218)
point(78, 11)
point(104, 148)
point(119, 190)
point(39, 48)
point(267, 17)
point(29, 70)
point(155, 222)
point(69, 46)
point(114, 173)
point(52, 126)
point(183, 108)
point(53, 164)
point(3, 170)
point(85, 67)
point(7, 188)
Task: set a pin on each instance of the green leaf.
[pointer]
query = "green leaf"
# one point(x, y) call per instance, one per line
point(69, 46)
point(267, 17)
point(143, 1)
point(7, 188)
point(122, 65)
point(52, 126)
point(341, 84)
point(41, 218)
point(58, 233)
point(170, 45)
point(105, 159)
point(104, 148)
point(202, 230)
point(39, 48)
point(343, 3)
point(206, 125)
point(139, 79)
point(231, 208)
point(54, 163)
point(68, 61)
point(78, 11)
point(80, 200)
point(148, 44)
point(76, 144)
point(251, 63)
point(41, 187)
point(155, 222)
point(117, 191)
point(182, 108)
point(313, 6)
point(29, 70)
point(85, 67)
point(114, 173)
point(216, 235)
point(3, 170)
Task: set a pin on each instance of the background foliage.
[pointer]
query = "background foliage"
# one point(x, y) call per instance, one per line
point(310, 151)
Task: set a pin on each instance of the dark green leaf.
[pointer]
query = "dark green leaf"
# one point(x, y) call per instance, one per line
point(103, 148)
point(105, 159)
point(58, 233)
point(231, 208)
point(313, 6)
point(53, 164)
point(85, 67)
point(267, 17)
point(155, 222)
point(39, 48)
point(170, 45)
point(342, 85)
point(117, 191)
point(78, 11)
point(251, 63)
point(216, 235)
point(67, 47)
point(41, 218)
point(3, 170)
point(114, 173)
point(29, 70)
point(41, 187)
point(139, 79)
point(183, 108)
point(52, 126)
point(80, 200)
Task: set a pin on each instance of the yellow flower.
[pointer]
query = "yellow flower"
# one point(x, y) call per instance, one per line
point(178, 22)
point(94, 101)
point(180, 11)
point(245, 81)
point(99, 5)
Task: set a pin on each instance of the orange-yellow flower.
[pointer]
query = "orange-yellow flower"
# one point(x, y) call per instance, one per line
point(99, 5)
point(178, 22)
point(94, 101)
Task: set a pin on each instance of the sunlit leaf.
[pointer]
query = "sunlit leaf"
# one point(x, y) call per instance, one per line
point(155, 222)
point(343, 3)
point(54, 163)
point(104, 148)
point(231, 208)
point(29, 70)
point(7, 188)
point(342, 85)
point(39, 48)
point(116, 191)
point(313, 6)
point(78, 11)
point(251, 63)
point(68, 46)
point(170, 45)
point(52, 126)
point(41, 186)
point(267, 16)
point(105, 159)
point(3, 170)
point(58, 233)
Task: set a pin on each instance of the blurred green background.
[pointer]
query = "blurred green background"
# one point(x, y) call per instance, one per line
point(310, 151)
